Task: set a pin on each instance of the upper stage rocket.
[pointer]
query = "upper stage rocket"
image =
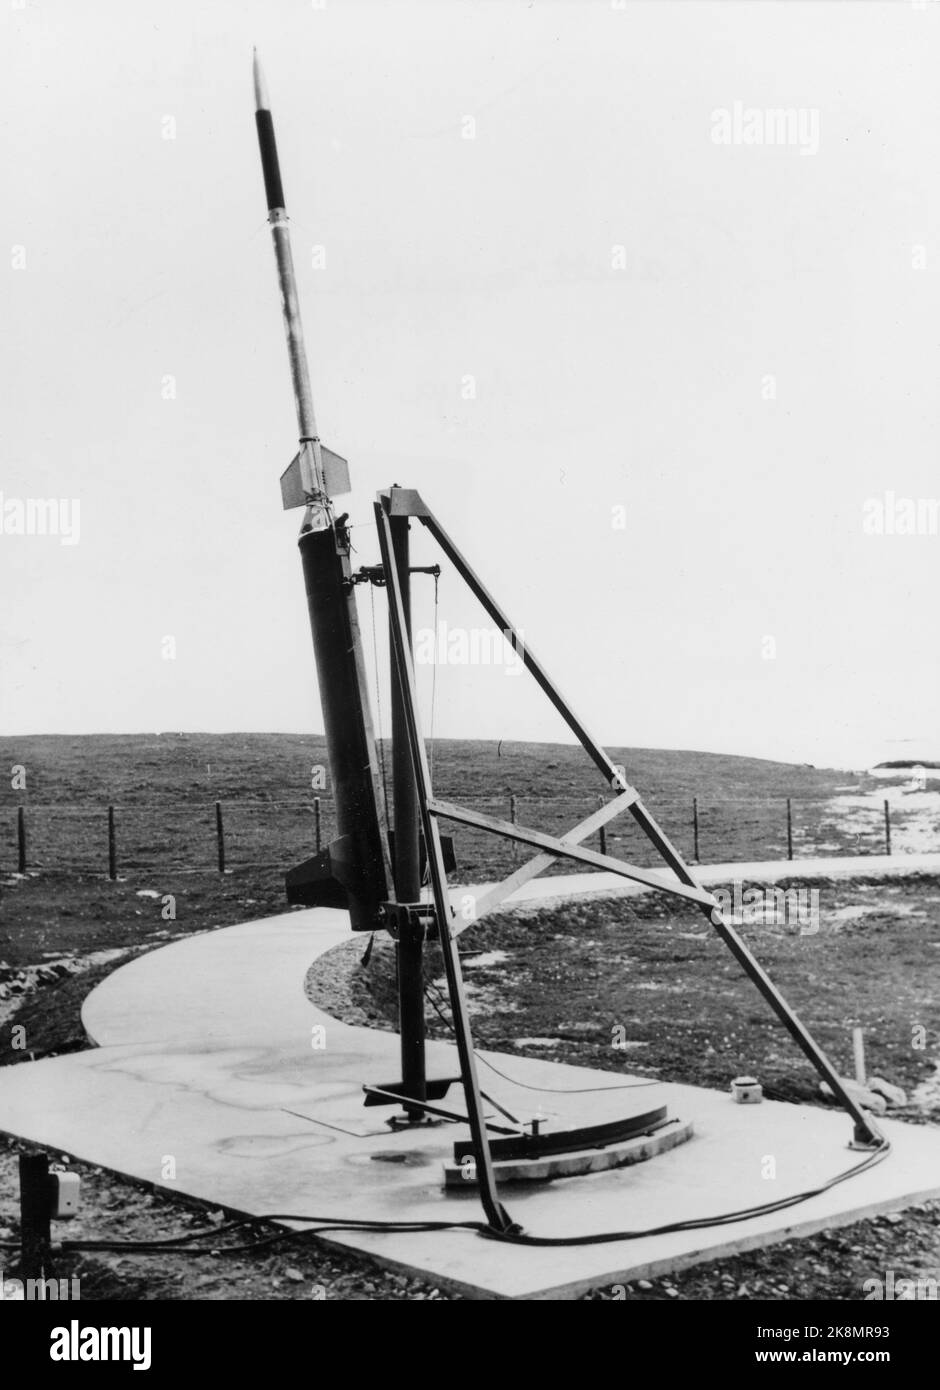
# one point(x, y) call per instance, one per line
point(353, 870)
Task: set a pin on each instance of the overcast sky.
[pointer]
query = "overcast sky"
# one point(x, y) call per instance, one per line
point(649, 367)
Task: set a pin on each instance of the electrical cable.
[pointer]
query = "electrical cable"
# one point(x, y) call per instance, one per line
point(514, 1236)
point(566, 1090)
point(526, 1085)
point(378, 703)
point(183, 1244)
point(206, 1234)
point(433, 684)
point(179, 1245)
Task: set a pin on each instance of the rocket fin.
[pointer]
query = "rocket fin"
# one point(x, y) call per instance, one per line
point(335, 472)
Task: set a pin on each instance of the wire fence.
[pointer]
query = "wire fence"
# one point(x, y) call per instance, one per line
point(242, 834)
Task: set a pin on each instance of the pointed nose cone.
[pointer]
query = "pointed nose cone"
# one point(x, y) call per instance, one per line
point(261, 88)
point(266, 141)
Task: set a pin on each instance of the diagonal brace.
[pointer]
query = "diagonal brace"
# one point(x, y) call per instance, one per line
point(565, 849)
point(499, 892)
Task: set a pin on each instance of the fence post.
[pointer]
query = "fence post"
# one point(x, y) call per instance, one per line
point(220, 836)
point(112, 846)
point(21, 838)
point(695, 829)
point(600, 802)
point(789, 829)
point(316, 820)
point(512, 817)
point(887, 828)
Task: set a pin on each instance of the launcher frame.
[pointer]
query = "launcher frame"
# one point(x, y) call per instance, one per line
point(416, 803)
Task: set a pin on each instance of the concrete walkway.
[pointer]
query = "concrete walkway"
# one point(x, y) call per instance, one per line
point(561, 886)
point(213, 1066)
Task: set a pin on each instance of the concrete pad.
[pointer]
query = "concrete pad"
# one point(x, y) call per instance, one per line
point(210, 1053)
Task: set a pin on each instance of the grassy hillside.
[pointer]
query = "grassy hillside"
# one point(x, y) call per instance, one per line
point(164, 787)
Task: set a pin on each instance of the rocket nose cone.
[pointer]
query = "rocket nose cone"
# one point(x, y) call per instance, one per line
point(261, 89)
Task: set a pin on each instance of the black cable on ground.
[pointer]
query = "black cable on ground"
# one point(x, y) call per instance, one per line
point(526, 1085)
point(326, 1225)
point(179, 1245)
point(702, 1223)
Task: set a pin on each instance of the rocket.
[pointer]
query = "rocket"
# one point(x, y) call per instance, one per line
point(353, 871)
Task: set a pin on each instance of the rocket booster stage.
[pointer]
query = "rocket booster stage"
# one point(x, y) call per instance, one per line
point(353, 870)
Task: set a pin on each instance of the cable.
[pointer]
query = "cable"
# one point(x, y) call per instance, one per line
point(567, 1090)
point(177, 1245)
point(433, 685)
point(378, 703)
point(206, 1234)
point(515, 1237)
point(526, 1085)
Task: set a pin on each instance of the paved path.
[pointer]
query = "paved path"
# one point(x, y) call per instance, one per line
point(561, 886)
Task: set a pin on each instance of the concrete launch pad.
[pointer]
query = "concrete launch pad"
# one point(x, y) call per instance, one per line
point(209, 1053)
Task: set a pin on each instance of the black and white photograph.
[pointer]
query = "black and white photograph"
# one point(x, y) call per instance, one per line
point(469, 683)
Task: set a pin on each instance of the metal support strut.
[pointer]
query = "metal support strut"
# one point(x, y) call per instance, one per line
point(496, 1214)
point(407, 858)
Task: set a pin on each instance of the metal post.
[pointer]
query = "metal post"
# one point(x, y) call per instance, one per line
point(858, 1053)
point(112, 846)
point(789, 829)
point(35, 1217)
point(220, 836)
point(887, 828)
point(316, 821)
point(695, 853)
point(407, 867)
point(496, 1213)
point(21, 839)
point(512, 817)
point(603, 832)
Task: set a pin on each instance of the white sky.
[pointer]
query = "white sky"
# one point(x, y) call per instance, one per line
point(448, 257)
